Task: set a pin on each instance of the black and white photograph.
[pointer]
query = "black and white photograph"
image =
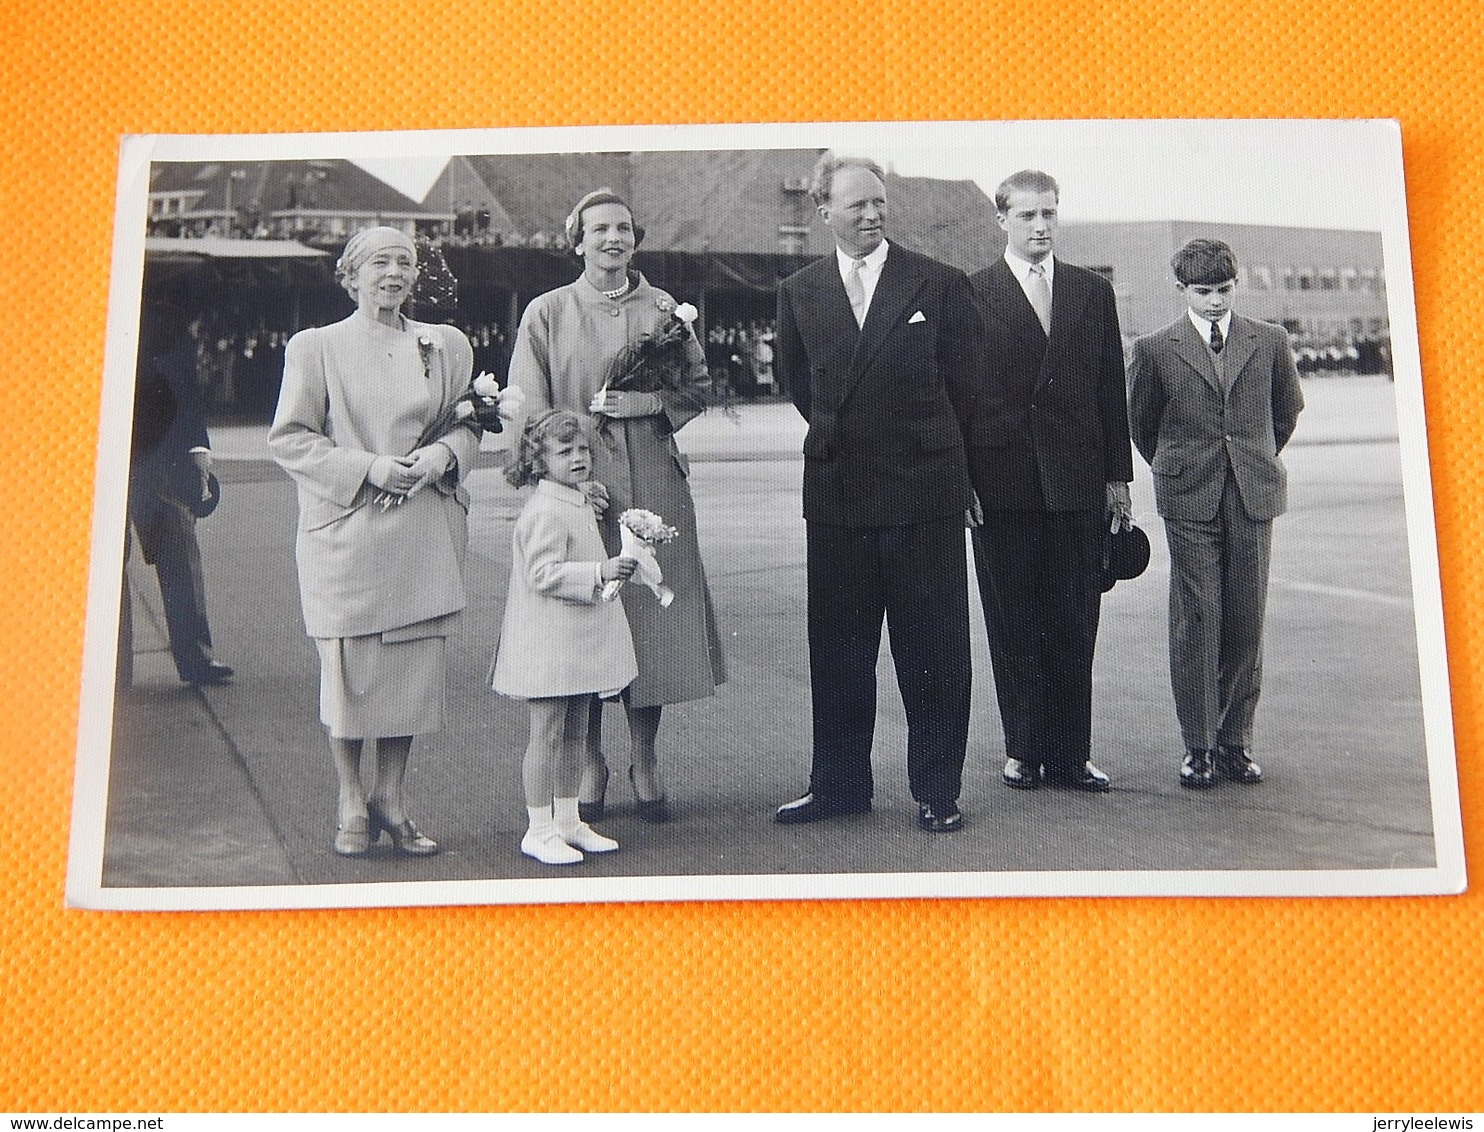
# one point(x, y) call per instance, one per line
point(773, 511)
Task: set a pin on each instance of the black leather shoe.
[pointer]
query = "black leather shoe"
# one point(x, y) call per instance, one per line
point(1087, 778)
point(1198, 769)
point(939, 817)
point(212, 672)
point(813, 808)
point(1234, 765)
point(1021, 775)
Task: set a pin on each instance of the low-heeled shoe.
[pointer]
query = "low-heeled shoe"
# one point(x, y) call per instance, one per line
point(1087, 778)
point(939, 817)
point(1234, 765)
point(1198, 769)
point(812, 807)
point(656, 811)
point(1021, 775)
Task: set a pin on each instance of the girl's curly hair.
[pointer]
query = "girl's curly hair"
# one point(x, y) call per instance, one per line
point(529, 464)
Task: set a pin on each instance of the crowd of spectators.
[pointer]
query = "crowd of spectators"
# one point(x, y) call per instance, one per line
point(739, 354)
point(240, 357)
point(1357, 356)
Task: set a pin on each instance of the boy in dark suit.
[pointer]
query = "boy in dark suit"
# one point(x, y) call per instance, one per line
point(1213, 398)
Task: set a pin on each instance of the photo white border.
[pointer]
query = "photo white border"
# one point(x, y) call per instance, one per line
point(1379, 141)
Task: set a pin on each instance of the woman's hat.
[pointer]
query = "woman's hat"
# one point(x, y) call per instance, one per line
point(1125, 555)
point(572, 226)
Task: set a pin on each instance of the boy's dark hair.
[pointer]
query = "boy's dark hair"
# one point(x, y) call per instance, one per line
point(1026, 181)
point(1206, 262)
point(529, 464)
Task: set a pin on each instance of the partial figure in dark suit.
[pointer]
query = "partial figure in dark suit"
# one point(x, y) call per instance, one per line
point(880, 350)
point(1213, 398)
point(1050, 460)
point(169, 482)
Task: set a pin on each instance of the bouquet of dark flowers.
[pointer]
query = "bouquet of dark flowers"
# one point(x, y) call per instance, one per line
point(641, 531)
point(659, 361)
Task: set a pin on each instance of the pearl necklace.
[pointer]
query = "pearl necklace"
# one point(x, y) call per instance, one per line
point(619, 292)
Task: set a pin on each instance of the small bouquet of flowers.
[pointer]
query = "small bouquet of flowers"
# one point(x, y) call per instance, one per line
point(487, 405)
point(641, 531)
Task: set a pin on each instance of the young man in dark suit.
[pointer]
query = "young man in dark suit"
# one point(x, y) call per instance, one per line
point(1050, 461)
point(880, 350)
point(1213, 398)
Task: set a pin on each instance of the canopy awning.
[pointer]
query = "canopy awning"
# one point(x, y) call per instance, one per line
point(221, 247)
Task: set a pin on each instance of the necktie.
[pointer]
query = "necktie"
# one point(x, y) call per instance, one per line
point(855, 289)
point(1040, 296)
point(1217, 341)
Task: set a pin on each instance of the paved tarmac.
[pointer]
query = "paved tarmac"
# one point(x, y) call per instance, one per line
point(233, 785)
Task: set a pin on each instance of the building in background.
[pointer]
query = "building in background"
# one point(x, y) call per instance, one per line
point(1326, 286)
point(722, 229)
point(314, 202)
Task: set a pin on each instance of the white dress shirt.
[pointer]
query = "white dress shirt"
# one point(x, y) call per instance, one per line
point(870, 269)
point(1022, 270)
point(1203, 326)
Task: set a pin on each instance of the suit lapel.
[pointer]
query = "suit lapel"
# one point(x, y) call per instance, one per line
point(1241, 345)
point(1068, 299)
point(1186, 340)
point(834, 303)
point(1007, 301)
point(831, 324)
point(898, 286)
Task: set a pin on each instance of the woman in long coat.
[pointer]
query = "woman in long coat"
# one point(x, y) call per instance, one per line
point(564, 357)
point(366, 428)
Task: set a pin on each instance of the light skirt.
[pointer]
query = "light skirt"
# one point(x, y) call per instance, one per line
point(374, 686)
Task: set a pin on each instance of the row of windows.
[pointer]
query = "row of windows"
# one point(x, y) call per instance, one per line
point(162, 205)
point(1311, 330)
point(1265, 277)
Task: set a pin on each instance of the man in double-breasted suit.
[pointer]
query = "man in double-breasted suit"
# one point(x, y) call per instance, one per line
point(1213, 398)
point(1050, 461)
point(880, 350)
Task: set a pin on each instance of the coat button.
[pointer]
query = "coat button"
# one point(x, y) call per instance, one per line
point(614, 311)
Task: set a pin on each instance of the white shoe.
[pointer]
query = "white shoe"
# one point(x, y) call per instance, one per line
point(585, 837)
point(549, 848)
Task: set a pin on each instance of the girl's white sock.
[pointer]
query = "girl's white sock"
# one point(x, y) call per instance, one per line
point(564, 812)
point(540, 819)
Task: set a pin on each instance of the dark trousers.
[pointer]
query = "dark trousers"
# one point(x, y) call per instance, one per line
point(1040, 580)
point(169, 544)
point(916, 578)
point(1218, 594)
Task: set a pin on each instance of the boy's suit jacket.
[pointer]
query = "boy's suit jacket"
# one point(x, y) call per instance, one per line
point(887, 402)
point(1051, 429)
point(1191, 430)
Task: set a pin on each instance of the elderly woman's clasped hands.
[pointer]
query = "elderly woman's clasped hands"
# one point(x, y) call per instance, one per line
point(401, 477)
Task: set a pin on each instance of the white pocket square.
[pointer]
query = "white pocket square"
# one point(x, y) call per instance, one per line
point(918, 317)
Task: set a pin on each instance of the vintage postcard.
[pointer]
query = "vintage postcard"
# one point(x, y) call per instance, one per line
point(767, 556)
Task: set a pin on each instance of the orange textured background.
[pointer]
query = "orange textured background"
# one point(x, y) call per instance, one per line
point(1078, 1004)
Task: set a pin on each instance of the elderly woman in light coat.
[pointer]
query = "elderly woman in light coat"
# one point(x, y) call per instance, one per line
point(366, 427)
point(564, 355)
